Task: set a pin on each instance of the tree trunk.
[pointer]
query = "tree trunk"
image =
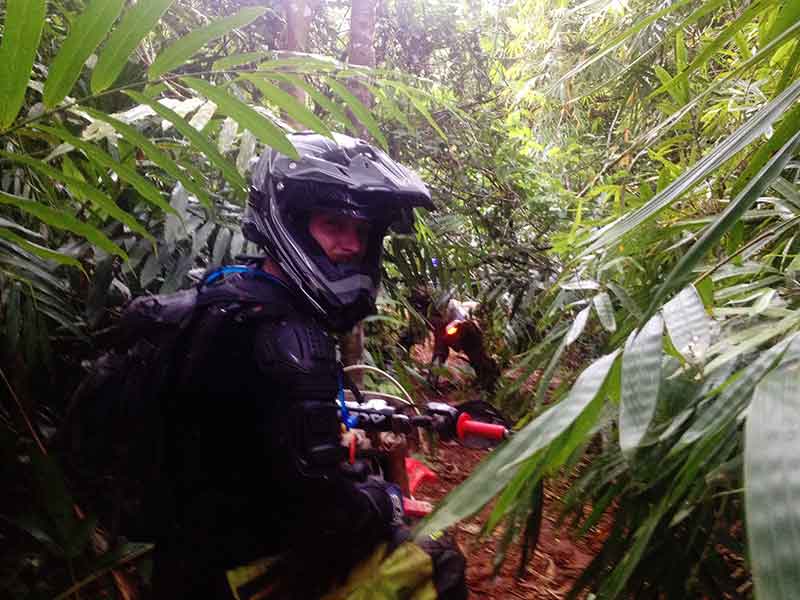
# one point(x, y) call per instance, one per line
point(362, 43)
point(361, 51)
point(297, 16)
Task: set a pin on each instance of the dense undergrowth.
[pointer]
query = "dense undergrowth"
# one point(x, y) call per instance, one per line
point(616, 181)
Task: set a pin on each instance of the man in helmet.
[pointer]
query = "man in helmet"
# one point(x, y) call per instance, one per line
point(455, 327)
point(254, 459)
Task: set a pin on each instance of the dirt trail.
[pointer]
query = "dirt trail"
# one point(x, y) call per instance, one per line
point(555, 565)
point(558, 559)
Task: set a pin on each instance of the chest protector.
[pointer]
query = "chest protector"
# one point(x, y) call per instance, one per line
point(299, 356)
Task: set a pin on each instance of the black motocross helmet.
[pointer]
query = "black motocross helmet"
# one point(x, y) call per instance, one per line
point(343, 174)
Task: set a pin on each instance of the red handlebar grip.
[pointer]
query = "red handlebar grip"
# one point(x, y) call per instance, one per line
point(466, 426)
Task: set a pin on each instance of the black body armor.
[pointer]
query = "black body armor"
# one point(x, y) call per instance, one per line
point(253, 451)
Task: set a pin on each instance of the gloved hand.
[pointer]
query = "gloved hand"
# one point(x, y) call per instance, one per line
point(385, 498)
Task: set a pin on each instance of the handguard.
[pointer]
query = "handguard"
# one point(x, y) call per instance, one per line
point(300, 357)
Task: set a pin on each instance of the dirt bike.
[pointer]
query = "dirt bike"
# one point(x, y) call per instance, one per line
point(474, 424)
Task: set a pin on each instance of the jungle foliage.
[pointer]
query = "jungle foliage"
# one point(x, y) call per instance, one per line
point(617, 182)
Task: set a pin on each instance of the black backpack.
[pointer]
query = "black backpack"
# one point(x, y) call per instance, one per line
point(113, 437)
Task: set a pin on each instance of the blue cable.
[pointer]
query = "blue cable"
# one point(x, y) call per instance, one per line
point(222, 271)
point(348, 420)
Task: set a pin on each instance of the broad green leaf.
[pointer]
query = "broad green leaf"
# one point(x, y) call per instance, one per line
point(665, 78)
point(227, 135)
point(583, 284)
point(247, 150)
point(263, 128)
point(175, 277)
point(200, 237)
point(40, 251)
point(705, 288)
point(723, 151)
point(183, 49)
point(576, 329)
point(418, 103)
point(321, 99)
point(641, 379)
point(199, 141)
point(203, 115)
point(788, 15)
point(625, 299)
point(681, 79)
point(229, 62)
point(499, 467)
point(63, 220)
point(22, 30)
point(763, 302)
point(790, 69)
point(605, 311)
point(742, 45)
point(136, 23)
point(290, 105)
point(772, 484)
point(81, 188)
point(734, 396)
point(688, 324)
point(360, 111)
point(613, 584)
point(617, 41)
point(305, 63)
point(507, 500)
point(767, 333)
point(221, 245)
point(680, 51)
point(17, 227)
point(586, 387)
point(384, 99)
point(154, 153)
point(86, 33)
point(119, 556)
point(148, 191)
point(788, 126)
point(174, 224)
point(543, 384)
point(745, 292)
point(33, 268)
point(728, 218)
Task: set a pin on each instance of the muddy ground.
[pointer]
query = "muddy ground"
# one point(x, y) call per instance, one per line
point(557, 561)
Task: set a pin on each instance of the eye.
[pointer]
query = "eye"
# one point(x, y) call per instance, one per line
point(332, 223)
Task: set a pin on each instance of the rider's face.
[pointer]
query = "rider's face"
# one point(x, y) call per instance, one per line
point(342, 238)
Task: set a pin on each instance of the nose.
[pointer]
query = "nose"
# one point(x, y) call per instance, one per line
point(351, 241)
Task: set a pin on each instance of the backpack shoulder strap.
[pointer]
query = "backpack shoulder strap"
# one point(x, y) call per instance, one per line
point(246, 286)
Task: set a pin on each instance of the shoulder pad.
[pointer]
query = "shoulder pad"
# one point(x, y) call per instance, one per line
point(151, 315)
point(160, 308)
point(273, 297)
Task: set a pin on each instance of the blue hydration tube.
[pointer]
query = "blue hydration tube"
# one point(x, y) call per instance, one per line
point(348, 420)
point(223, 271)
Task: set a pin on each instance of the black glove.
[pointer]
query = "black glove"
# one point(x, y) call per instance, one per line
point(385, 499)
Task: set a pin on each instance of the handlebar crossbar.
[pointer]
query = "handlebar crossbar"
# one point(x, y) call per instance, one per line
point(439, 417)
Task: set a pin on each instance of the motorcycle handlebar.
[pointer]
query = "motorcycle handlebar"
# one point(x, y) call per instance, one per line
point(442, 421)
point(467, 426)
